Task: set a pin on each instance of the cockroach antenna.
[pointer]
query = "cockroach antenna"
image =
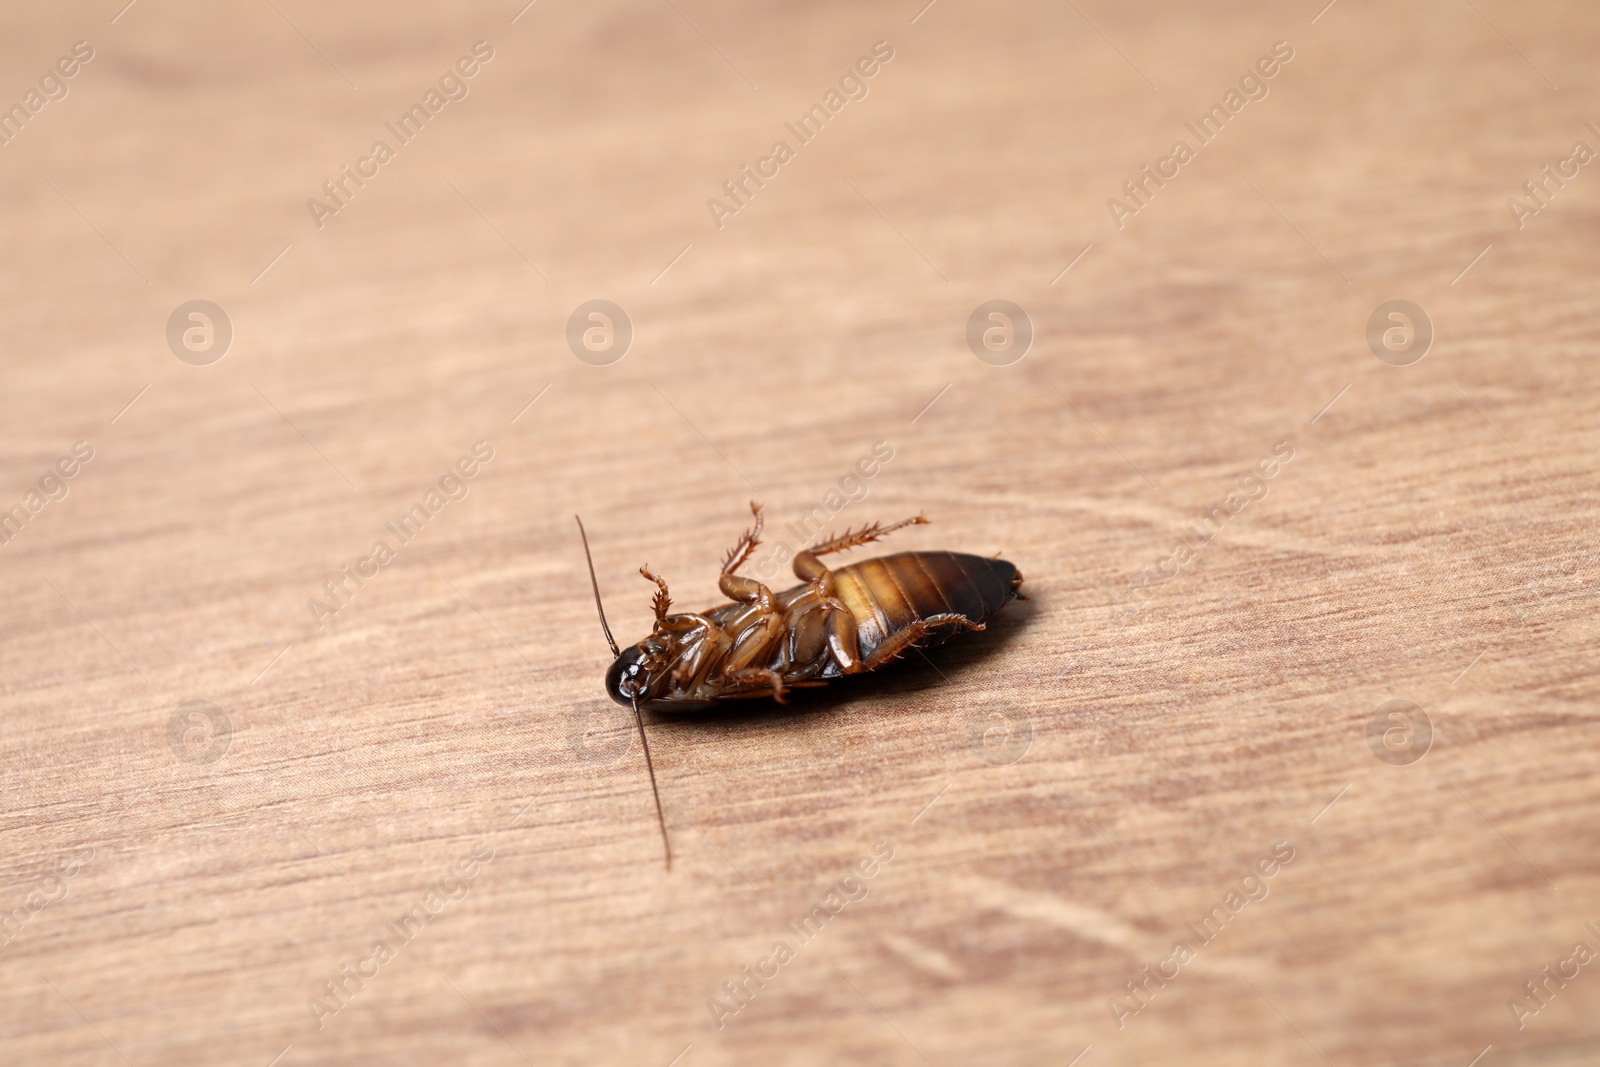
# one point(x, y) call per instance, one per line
point(595, 582)
point(651, 767)
point(638, 716)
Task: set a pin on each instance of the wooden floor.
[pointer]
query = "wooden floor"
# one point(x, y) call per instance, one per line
point(277, 795)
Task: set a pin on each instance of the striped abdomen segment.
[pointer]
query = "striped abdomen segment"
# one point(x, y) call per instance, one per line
point(890, 593)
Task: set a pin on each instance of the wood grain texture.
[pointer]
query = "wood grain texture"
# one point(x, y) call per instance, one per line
point(1062, 794)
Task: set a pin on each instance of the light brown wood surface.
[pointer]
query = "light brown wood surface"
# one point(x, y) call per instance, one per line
point(1433, 538)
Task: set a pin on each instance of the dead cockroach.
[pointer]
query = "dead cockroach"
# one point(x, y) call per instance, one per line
point(837, 622)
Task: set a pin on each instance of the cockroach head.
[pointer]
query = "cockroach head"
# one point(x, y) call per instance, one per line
point(650, 671)
point(626, 676)
point(640, 672)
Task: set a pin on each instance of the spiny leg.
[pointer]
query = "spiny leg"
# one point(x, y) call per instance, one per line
point(662, 600)
point(745, 545)
point(908, 639)
point(746, 590)
point(872, 531)
point(808, 568)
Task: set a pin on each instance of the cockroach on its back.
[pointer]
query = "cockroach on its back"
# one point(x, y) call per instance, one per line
point(852, 620)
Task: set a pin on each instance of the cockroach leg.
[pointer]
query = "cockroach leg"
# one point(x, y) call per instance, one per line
point(844, 641)
point(701, 652)
point(662, 599)
point(745, 545)
point(908, 638)
point(756, 644)
point(762, 676)
point(807, 567)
